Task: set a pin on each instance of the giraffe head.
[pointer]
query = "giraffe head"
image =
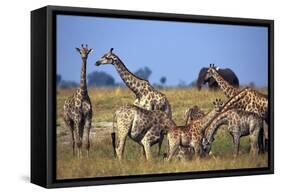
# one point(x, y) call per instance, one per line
point(210, 72)
point(84, 51)
point(218, 104)
point(108, 58)
point(206, 145)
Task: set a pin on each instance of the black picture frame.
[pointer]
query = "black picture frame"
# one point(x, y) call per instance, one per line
point(43, 95)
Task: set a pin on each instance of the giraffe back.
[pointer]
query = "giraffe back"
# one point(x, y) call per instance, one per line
point(139, 121)
point(249, 100)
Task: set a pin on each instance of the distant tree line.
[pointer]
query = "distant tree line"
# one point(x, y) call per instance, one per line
point(102, 79)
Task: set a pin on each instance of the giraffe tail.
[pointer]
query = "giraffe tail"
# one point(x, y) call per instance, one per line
point(113, 136)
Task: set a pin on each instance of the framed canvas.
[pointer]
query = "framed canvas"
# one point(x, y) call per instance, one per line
point(125, 96)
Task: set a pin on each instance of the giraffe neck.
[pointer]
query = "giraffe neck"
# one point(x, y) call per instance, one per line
point(206, 120)
point(83, 81)
point(221, 119)
point(128, 77)
point(237, 100)
point(228, 89)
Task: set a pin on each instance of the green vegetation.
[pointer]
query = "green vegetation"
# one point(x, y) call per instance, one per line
point(101, 161)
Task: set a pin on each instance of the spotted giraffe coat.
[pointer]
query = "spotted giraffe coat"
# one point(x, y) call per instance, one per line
point(239, 123)
point(146, 96)
point(77, 109)
point(143, 126)
point(190, 136)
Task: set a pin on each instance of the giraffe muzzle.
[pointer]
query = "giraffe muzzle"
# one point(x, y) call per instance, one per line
point(98, 63)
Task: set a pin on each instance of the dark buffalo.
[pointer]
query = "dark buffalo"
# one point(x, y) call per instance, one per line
point(227, 74)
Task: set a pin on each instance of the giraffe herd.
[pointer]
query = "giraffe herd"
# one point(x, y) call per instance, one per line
point(149, 118)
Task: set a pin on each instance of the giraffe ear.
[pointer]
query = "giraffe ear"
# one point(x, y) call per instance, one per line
point(90, 50)
point(77, 49)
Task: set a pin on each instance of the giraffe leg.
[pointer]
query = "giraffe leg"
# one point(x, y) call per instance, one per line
point(254, 145)
point(73, 142)
point(197, 151)
point(159, 145)
point(261, 141)
point(77, 138)
point(160, 142)
point(143, 150)
point(255, 132)
point(70, 125)
point(88, 125)
point(236, 141)
point(265, 135)
point(146, 145)
point(120, 145)
point(172, 152)
point(173, 147)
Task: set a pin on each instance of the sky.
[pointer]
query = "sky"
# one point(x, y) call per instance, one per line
point(176, 50)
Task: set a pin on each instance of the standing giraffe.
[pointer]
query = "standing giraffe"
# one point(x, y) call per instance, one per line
point(253, 101)
point(227, 88)
point(145, 127)
point(191, 135)
point(191, 114)
point(146, 96)
point(246, 99)
point(239, 123)
point(78, 109)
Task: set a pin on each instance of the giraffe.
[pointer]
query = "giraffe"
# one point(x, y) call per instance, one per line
point(246, 99)
point(145, 127)
point(239, 123)
point(78, 109)
point(146, 96)
point(253, 101)
point(190, 136)
point(227, 88)
point(190, 115)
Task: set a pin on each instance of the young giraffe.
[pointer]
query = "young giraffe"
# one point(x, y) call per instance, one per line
point(78, 109)
point(143, 126)
point(190, 136)
point(239, 123)
point(190, 115)
point(146, 96)
point(227, 88)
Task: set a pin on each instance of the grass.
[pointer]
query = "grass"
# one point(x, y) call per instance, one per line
point(101, 161)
